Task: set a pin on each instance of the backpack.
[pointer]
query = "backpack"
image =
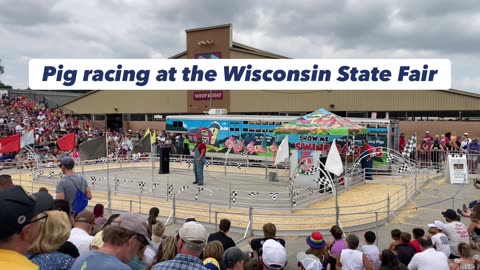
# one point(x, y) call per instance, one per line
point(80, 201)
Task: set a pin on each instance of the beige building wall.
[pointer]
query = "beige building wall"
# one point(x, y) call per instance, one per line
point(340, 100)
point(134, 101)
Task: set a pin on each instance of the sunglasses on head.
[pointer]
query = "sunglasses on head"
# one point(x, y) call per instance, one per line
point(40, 219)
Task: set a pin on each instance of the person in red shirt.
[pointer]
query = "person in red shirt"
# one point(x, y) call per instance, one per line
point(200, 159)
point(401, 143)
point(367, 152)
point(417, 234)
point(428, 137)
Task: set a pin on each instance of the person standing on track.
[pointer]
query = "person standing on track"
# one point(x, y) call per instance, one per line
point(200, 151)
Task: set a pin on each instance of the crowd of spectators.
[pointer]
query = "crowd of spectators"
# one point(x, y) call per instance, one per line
point(21, 115)
point(432, 150)
point(40, 232)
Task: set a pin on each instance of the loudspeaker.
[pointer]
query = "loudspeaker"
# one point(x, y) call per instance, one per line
point(164, 160)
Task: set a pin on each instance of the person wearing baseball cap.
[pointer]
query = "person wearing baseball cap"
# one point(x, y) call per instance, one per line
point(439, 239)
point(274, 255)
point(308, 261)
point(191, 239)
point(455, 231)
point(123, 238)
point(71, 182)
point(19, 220)
point(234, 258)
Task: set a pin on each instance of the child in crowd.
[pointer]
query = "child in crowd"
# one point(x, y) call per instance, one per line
point(371, 250)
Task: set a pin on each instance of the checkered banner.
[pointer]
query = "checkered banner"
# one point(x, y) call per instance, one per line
point(403, 168)
point(274, 195)
point(252, 194)
point(351, 147)
point(323, 181)
point(312, 170)
point(411, 146)
point(141, 185)
point(234, 196)
point(154, 186)
point(390, 158)
point(170, 190)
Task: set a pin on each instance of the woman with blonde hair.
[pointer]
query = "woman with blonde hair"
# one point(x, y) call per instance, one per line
point(166, 251)
point(157, 232)
point(466, 261)
point(54, 231)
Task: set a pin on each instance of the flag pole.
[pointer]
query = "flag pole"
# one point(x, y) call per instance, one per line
point(109, 193)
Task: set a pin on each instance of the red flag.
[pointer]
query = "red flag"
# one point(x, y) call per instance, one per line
point(67, 142)
point(10, 143)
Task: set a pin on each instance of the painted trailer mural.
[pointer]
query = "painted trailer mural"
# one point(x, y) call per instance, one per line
point(254, 134)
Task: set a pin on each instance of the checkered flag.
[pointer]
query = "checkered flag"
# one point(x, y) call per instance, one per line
point(274, 195)
point(154, 186)
point(182, 189)
point(207, 163)
point(170, 190)
point(94, 180)
point(189, 162)
point(234, 196)
point(200, 189)
point(323, 181)
point(310, 189)
point(252, 194)
point(294, 201)
point(141, 185)
point(117, 183)
point(312, 170)
point(351, 147)
point(51, 175)
point(239, 165)
point(403, 168)
point(390, 158)
point(410, 147)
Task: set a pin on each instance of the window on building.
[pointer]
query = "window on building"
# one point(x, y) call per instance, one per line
point(137, 117)
point(99, 117)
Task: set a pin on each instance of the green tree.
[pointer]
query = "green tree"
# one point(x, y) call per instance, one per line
point(2, 70)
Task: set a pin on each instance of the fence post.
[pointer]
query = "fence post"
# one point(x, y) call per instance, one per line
point(83, 168)
point(388, 207)
point(216, 220)
point(225, 165)
point(174, 209)
point(131, 205)
point(229, 195)
point(168, 186)
point(209, 213)
point(140, 203)
point(406, 192)
point(109, 195)
point(250, 219)
point(376, 223)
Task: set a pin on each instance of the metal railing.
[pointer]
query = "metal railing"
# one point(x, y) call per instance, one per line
point(290, 216)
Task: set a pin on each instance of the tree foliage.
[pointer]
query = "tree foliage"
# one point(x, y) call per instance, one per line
point(2, 70)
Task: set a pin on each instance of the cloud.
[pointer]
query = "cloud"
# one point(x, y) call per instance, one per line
point(297, 29)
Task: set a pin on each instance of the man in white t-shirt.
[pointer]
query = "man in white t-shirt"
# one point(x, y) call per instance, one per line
point(429, 258)
point(439, 239)
point(455, 231)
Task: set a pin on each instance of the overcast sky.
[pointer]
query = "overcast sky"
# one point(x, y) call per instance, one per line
point(297, 29)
